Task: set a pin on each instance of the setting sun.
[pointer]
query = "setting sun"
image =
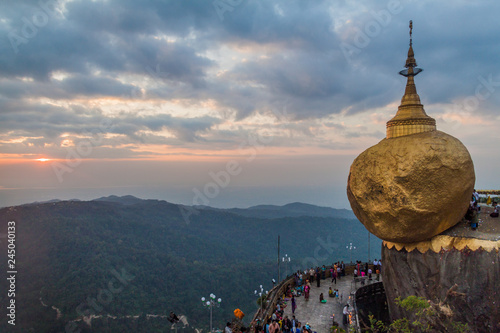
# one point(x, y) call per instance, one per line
point(42, 159)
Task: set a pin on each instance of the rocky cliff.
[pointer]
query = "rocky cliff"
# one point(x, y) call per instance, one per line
point(462, 284)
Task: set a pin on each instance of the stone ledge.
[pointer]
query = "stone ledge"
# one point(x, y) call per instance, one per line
point(443, 242)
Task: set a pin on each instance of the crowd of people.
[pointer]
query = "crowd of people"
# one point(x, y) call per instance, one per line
point(472, 214)
point(317, 274)
point(278, 322)
point(281, 323)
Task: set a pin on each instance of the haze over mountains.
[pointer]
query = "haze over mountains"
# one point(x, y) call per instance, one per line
point(295, 209)
point(68, 252)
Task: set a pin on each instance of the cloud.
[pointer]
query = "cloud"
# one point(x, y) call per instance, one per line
point(175, 73)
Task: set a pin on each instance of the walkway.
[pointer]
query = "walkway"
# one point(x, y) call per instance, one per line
point(488, 229)
point(319, 315)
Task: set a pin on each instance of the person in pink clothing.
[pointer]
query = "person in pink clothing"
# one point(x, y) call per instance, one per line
point(307, 288)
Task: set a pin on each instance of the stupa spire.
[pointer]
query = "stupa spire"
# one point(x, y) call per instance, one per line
point(411, 117)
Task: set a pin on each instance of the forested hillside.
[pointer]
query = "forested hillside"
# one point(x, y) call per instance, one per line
point(135, 257)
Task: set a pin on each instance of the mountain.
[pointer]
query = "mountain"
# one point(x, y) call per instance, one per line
point(48, 201)
point(128, 258)
point(125, 200)
point(295, 209)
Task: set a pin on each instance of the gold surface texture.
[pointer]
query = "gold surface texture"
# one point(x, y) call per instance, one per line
point(411, 188)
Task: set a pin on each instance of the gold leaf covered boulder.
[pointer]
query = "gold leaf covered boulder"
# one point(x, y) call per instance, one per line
point(413, 187)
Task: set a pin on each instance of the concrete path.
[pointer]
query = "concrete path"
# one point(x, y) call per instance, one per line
point(319, 315)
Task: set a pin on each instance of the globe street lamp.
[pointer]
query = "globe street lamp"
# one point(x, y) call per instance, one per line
point(210, 303)
point(261, 300)
point(286, 259)
point(350, 247)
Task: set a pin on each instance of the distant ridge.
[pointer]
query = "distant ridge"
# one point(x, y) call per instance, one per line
point(125, 200)
point(294, 209)
point(47, 201)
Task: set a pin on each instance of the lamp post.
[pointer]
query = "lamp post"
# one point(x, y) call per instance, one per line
point(350, 247)
point(261, 300)
point(286, 259)
point(279, 268)
point(369, 248)
point(210, 304)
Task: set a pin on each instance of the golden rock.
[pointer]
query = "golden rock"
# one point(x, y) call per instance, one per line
point(418, 181)
point(411, 188)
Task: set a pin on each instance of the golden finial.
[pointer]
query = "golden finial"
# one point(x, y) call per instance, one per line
point(411, 63)
point(411, 117)
point(411, 28)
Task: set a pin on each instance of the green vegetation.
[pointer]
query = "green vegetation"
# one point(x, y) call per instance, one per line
point(423, 313)
point(143, 258)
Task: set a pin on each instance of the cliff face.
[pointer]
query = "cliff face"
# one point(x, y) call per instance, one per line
point(465, 281)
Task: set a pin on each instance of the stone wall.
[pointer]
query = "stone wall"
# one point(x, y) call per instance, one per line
point(371, 300)
point(268, 307)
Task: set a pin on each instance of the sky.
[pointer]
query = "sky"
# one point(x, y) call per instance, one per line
point(231, 103)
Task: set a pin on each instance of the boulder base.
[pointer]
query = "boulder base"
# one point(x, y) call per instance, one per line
point(463, 280)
